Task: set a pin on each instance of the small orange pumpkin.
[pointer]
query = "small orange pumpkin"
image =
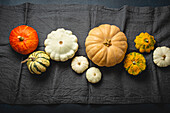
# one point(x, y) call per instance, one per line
point(23, 39)
point(106, 45)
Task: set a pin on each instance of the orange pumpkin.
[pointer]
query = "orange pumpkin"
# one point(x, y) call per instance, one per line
point(23, 39)
point(106, 45)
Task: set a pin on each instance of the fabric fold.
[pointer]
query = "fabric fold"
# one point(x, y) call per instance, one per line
point(60, 84)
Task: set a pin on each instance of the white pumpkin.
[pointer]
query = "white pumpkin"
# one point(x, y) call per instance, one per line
point(93, 75)
point(79, 64)
point(161, 56)
point(61, 45)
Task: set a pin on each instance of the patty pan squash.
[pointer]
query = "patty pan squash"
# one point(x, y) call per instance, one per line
point(134, 63)
point(144, 42)
point(61, 45)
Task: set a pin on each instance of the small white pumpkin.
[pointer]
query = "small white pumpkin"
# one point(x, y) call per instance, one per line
point(61, 45)
point(79, 64)
point(93, 75)
point(161, 56)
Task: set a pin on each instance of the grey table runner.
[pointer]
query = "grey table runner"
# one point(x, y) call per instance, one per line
point(59, 84)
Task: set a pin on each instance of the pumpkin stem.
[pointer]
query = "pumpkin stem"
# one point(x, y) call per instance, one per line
point(27, 60)
point(134, 63)
point(21, 38)
point(79, 63)
point(146, 40)
point(107, 42)
point(164, 56)
point(60, 42)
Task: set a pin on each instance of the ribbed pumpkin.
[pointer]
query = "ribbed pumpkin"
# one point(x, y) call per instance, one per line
point(37, 62)
point(106, 45)
point(135, 63)
point(144, 42)
point(23, 39)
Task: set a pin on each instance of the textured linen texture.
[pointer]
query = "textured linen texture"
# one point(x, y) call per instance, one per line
point(60, 84)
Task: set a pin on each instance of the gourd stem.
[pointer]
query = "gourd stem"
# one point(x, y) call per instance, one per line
point(21, 38)
point(134, 63)
point(164, 56)
point(107, 42)
point(27, 60)
point(146, 40)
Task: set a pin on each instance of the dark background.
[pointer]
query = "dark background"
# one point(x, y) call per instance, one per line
point(82, 108)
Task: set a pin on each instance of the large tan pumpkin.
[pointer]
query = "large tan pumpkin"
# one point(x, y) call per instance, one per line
point(106, 45)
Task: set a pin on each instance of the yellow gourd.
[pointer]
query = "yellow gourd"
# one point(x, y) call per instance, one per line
point(134, 63)
point(144, 42)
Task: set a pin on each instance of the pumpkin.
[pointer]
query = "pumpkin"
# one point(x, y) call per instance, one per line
point(37, 62)
point(144, 42)
point(134, 63)
point(79, 64)
point(106, 45)
point(161, 56)
point(93, 75)
point(23, 39)
point(61, 45)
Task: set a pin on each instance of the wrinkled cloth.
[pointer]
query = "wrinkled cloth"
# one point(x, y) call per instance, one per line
point(60, 84)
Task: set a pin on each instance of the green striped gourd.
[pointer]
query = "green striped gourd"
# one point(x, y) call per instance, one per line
point(37, 62)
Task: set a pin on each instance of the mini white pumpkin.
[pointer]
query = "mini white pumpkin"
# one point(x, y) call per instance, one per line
point(79, 64)
point(61, 45)
point(161, 56)
point(93, 75)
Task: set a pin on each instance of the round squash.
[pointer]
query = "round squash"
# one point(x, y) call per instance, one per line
point(161, 56)
point(144, 42)
point(37, 62)
point(93, 75)
point(23, 39)
point(79, 64)
point(106, 45)
point(61, 45)
point(134, 63)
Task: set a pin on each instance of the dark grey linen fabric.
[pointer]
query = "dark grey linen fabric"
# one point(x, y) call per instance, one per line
point(60, 84)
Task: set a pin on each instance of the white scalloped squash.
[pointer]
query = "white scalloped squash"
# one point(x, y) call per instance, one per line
point(61, 45)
